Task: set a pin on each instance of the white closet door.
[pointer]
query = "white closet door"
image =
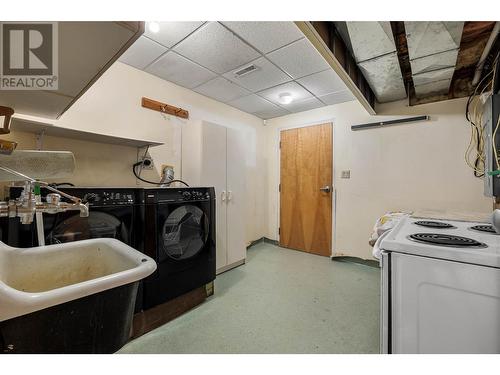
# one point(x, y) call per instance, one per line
point(213, 173)
point(236, 162)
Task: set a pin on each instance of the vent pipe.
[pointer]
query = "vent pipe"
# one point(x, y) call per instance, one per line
point(375, 53)
point(433, 51)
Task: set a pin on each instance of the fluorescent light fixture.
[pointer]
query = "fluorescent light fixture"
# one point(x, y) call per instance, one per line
point(285, 98)
point(154, 27)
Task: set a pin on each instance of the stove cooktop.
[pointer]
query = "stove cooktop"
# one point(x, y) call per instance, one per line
point(486, 228)
point(466, 242)
point(434, 224)
point(445, 240)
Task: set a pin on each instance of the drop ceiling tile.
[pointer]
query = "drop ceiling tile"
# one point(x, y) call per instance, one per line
point(266, 75)
point(298, 92)
point(142, 53)
point(266, 36)
point(171, 33)
point(267, 114)
point(216, 48)
point(253, 103)
point(179, 70)
point(299, 59)
point(222, 90)
point(303, 105)
point(322, 83)
point(337, 97)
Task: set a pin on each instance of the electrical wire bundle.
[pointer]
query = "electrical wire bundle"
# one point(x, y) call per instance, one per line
point(475, 155)
point(145, 162)
point(141, 163)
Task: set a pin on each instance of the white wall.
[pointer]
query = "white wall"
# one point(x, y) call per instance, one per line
point(113, 106)
point(407, 167)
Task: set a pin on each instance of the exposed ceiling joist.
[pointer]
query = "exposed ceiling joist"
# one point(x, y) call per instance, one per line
point(473, 40)
point(439, 64)
point(326, 39)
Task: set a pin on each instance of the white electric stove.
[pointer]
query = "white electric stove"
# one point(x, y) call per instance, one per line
point(440, 287)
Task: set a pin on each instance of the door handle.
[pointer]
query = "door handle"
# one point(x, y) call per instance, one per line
point(223, 196)
point(229, 195)
point(326, 189)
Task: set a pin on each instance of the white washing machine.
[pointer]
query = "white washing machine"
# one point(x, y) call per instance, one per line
point(440, 287)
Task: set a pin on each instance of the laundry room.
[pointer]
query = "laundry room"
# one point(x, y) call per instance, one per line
point(249, 185)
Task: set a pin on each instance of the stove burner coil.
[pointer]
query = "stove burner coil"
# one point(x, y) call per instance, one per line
point(484, 228)
point(434, 224)
point(445, 240)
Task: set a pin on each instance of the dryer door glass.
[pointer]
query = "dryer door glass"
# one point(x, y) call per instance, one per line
point(97, 225)
point(185, 232)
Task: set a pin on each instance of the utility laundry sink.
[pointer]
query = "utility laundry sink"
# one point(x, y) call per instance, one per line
point(81, 282)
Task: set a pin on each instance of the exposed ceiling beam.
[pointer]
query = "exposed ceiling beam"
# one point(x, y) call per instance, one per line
point(474, 38)
point(330, 45)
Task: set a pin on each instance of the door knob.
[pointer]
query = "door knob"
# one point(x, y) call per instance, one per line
point(325, 189)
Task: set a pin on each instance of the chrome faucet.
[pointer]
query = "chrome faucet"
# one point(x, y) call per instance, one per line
point(28, 204)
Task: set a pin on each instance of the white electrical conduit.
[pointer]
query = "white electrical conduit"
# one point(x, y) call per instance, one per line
point(486, 51)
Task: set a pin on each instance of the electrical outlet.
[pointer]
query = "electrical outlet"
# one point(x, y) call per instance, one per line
point(147, 162)
point(345, 174)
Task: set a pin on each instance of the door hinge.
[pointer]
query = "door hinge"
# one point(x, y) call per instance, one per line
point(279, 231)
point(280, 144)
point(279, 188)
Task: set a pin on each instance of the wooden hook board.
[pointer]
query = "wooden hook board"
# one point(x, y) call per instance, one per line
point(164, 108)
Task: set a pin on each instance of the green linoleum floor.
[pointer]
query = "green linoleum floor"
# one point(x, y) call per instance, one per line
point(280, 301)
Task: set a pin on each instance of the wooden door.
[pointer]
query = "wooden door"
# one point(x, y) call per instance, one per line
point(306, 189)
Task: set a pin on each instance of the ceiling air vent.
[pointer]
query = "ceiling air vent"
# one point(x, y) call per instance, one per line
point(246, 70)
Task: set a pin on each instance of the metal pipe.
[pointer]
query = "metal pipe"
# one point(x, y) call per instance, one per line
point(486, 51)
point(389, 122)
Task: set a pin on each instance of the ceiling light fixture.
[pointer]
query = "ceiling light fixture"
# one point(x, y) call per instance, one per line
point(285, 98)
point(154, 27)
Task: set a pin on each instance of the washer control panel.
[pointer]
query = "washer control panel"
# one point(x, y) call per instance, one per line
point(109, 197)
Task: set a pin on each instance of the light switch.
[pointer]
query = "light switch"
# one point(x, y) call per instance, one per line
point(345, 174)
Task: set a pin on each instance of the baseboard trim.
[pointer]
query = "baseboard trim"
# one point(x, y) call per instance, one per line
point(256, 242)
point(272, 242)
point(364, 262)
point(262, 240)
point(230, 266)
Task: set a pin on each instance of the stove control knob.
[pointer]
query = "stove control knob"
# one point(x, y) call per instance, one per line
point(186, 195)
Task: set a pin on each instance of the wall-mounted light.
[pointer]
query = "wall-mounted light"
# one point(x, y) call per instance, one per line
point(285, 98)
point(153, 26)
